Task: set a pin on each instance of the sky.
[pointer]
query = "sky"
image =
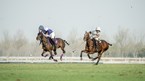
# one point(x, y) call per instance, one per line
point(65, 16)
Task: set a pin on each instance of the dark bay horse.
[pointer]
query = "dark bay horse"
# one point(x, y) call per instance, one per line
point(90, 48)
point(47, 47)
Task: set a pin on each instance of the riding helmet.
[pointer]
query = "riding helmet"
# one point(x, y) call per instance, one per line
point(98, 28)
point(41, 27)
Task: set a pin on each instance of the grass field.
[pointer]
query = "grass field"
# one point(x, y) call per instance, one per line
point(72, 72)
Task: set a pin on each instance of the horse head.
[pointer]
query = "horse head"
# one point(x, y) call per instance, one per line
point(39, 36)
point(86, 36)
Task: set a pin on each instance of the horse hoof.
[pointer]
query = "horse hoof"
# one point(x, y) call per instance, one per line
point(96, 63)
point(55, 60)
point(93, 59)
point(55, 53)
point(46, 55)
point(50, 58)
point(60, 59)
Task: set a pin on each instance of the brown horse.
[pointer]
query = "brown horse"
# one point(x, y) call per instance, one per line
point(47, 46)
point(90, 48)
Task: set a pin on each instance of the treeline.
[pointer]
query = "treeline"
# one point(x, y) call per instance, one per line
point(128, 44)
point(17, 45)
point(125, 44)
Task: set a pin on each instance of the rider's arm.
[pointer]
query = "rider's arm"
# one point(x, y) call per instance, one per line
point(46, 35)
point(98, 35)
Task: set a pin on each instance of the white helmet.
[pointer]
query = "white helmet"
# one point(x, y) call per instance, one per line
point(98, 28)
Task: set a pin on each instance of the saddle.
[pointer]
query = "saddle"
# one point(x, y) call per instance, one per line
point(52, 41)
point(96, 44)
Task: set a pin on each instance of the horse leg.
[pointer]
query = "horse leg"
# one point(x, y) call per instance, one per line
point(55, 52)
point(52, 56)
point(89, 56)
point(94, 58)
point(62, 54)
point(99, 57)
point(43, 54)
point(81, 54)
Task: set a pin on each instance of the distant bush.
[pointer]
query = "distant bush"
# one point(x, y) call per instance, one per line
point(125, 45)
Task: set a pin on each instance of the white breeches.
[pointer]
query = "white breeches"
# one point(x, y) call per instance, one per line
point(52, 35)
point(96, 38)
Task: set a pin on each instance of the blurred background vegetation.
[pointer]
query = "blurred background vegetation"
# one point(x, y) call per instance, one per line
point(125, 44)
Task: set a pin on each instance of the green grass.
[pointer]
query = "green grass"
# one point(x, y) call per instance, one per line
point(72, 72)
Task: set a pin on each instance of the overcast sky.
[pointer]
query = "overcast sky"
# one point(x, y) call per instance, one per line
point(63, 16)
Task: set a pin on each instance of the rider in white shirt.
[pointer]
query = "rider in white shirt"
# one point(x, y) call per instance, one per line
point(95, 36)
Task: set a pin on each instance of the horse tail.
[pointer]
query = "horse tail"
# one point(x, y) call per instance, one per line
point(109, 44)
point(66, 42)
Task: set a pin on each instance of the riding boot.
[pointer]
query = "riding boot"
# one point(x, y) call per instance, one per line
point(54, 44)
point(97, 47)
point(94, 42)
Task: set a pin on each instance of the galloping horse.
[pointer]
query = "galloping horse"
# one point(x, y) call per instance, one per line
point(46, 45)
point(91, 49)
